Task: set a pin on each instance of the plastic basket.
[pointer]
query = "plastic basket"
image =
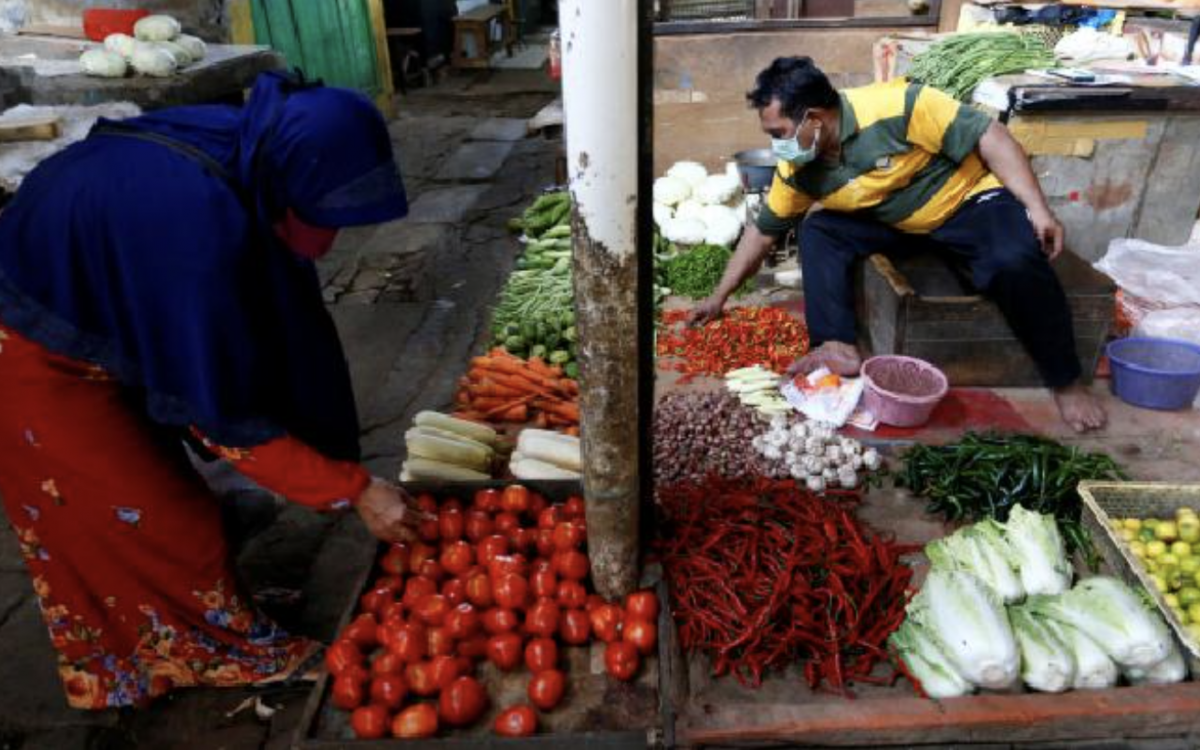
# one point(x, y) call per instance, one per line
point(1155, 373)
point(902, 391)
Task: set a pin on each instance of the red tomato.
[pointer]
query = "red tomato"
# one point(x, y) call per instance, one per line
point(502, 564)
point(497, 620)
point(389, 690)
point(544, 584)
point(545, 542)
point(374, 600)
point(358, 673)
point(567, 536)
point(523, 540)
point(515, 499)
point(606, 622)
point(421, 552)
point(593, 601)
point(572, 595)
point(369, 722)
point(451, 503)
point(550, 517)
point(641, 633)
point(507, 523)
point(457, 558)
point(479, 525)
point(441, 643)
point(463, 622)
point(464, 665)
point(572, 565)
point(455, 591)
point(348, 692)
point(575, 627)
point(462, 702)
point(410, 642)
point(537, 504)
point(432, 570)
point(504, 650)
point(518, 721)
point(362, 631)
point(542, 619)
point(420, 720)
point(394, 584)
point(488, 500)
point(479, 590)
point(417, 589)
point(451, 525)
point(574, 508)
point(432, 609)
point(511, 591)
point(428, 530)
point(387, 663)
point(621, 660)
point(420, 679)
point(474, 647)
point(427, 503)
point(541, 654)
point(489, 548)
point(444, 670)
point(546, 689)
point(392, 612)
point(642, 605)
point(342, 654)
point(395, 560)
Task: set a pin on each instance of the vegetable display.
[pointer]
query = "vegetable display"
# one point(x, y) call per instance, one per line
point(960, 635)
point(1169, 550)
point(503, 579)
point(502, 388)
point(987, 475)
point(543, 454)
point(763, 575)
point(692, 207)
point(743, 337)
point(958, 63)
point(695, 272)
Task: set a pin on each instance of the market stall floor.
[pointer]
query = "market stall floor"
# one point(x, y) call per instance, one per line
point(411, 300)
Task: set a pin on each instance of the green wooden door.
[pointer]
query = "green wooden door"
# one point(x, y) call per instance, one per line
point(327, 39)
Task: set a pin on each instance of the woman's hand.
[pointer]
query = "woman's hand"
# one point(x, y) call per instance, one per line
point(388, 512)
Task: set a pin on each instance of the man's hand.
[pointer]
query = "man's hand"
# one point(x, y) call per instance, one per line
point(1049, 232)
point(388, 512)
point(706, 311)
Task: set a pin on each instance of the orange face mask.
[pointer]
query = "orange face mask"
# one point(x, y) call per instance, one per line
point(304, 239)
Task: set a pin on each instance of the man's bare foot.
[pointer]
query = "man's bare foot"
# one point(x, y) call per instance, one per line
point(1079, 408)
point(841, 359)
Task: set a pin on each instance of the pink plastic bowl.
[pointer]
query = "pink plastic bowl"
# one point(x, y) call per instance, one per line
point(902, 391)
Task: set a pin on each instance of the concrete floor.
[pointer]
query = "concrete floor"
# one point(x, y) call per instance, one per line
point(411, 300)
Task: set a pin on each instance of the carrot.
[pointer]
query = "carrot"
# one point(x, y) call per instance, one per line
point(556, 371)
point(519, 413)
point(564, 409)
point(573, 431)
point(487, 404)
point(506, 405)
point(571, 387)
point(540, 421)
point(539, 367)
point(556, 421)
point(490, 388)
point(470, 415)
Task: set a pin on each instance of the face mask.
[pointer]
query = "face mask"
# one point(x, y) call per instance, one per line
point(789, 149)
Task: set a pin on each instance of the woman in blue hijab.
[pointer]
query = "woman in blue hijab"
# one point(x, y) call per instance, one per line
point(157, 280)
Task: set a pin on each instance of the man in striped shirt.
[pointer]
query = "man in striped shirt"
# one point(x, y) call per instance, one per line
point(887, 162)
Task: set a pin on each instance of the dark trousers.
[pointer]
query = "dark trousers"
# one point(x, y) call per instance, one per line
point(991, 233)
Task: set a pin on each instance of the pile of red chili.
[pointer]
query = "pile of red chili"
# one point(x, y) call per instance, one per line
point(744, 336)
point(764, 574)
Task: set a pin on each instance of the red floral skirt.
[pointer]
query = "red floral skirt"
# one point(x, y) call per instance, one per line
point(123, 541)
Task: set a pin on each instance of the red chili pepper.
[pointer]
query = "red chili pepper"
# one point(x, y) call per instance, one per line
point(746, 336)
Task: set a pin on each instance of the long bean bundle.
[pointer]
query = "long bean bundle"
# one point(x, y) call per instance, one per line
point(957, 64)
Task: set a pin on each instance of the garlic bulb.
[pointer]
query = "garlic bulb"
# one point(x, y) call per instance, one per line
point(815, 484)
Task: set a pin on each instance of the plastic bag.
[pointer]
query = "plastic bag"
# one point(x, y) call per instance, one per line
point(1166, 276)
point(1172, 323)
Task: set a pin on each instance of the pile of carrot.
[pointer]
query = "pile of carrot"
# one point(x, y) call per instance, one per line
point(502, 388)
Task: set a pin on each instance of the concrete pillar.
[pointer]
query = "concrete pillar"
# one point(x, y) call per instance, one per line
point(601, 107)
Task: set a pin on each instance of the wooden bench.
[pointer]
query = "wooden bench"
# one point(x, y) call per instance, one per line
point(475, 25)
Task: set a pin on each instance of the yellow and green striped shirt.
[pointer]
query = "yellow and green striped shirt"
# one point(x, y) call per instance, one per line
point(908, 160)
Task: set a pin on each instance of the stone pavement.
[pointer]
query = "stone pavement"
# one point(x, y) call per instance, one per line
point(411, 300)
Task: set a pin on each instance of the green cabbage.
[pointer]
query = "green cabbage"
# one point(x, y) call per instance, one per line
point(926, 662)
point(1046, 662)
point(981, 550)
point(1035, 541)
point(968, 622)
point(1114, 617)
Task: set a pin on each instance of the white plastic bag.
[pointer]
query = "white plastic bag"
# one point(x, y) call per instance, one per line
point(1167, 276)
point(1172, 323)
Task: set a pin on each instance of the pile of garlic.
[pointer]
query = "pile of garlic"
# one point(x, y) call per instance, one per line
point(815, 453)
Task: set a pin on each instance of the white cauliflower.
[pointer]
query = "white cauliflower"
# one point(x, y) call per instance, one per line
point(671, 190)
point(716, 189)
point(684, 231)
point(690, 209)
point(691, 172)
point(722, 223)
point(663, 214)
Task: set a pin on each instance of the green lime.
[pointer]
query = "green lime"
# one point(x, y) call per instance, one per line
point(1166, 531)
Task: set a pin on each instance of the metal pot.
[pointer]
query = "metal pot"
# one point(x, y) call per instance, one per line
point(756, 167)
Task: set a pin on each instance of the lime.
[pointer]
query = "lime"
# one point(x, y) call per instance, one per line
point(1159, 582)
point(1133, 524)
point(1183, 618)
point(1189, 566)
point(1166, 531)
point(1126, 535)
point(1155, 549)
point(1185, 511)
point(1172, 601)
point(1139, 549)
point(1168, 560)
point(1181, 549)
point(1194, 612)
point(1146, 534)
point(1188, 595)
point(1194, 631)
point(1149, 523)
point(1189, 529)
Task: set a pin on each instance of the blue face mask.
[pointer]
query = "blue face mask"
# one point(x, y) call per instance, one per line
point(789, 149)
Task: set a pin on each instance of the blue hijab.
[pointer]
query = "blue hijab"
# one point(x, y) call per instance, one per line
point(147, 249)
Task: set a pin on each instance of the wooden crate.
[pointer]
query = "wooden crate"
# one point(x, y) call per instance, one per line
point(920, 306)
point(600, 727)
point(1103, 501)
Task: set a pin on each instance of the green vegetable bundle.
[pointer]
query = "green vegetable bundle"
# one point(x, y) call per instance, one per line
point(986, 476)
point(548, 216)
point(695, 273)
point(957, 64)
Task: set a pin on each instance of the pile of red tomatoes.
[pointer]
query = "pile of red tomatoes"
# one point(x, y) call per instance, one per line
point(504, 580)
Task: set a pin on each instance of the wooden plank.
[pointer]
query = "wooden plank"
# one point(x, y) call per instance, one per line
point(385, 99)
point(40, 128)
point(241, 22)
point(1149, 711)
